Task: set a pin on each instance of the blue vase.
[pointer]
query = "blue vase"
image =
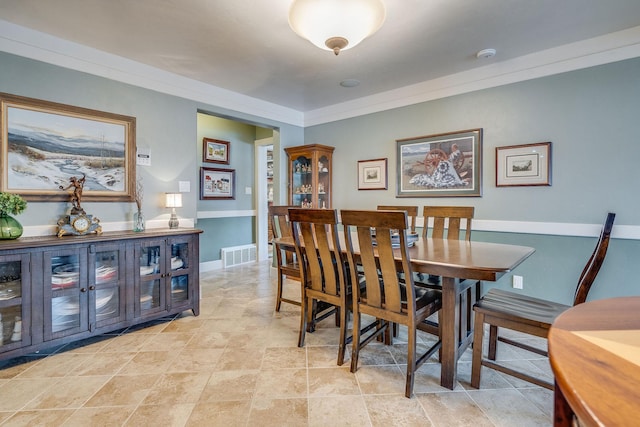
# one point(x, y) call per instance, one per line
point(10, 228)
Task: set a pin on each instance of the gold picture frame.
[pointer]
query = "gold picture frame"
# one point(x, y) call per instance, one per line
point(44, 144)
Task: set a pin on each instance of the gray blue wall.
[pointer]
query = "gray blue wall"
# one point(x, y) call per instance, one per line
point(168, 125)
point(590, 116)
point(233, 231)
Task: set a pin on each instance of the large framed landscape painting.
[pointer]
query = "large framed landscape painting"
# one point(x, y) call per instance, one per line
point(45, 144)
point(442, 165)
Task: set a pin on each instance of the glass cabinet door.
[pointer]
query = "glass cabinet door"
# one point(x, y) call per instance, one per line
point(150, 295)
point(106, 285)
point(14, 294)
point(180, 269)
point(324, 183)
point(302, 193)
point(66, 288)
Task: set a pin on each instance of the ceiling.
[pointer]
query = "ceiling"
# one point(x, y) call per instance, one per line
point(247, 46)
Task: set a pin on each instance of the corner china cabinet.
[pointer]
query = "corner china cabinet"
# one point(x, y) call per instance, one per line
point(310, 168)
point(58, 290)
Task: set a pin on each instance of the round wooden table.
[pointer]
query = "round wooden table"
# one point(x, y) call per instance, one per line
point(594, 350)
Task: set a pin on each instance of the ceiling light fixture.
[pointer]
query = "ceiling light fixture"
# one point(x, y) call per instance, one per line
point(336, 24)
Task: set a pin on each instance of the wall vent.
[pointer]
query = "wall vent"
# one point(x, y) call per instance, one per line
point(236, 255)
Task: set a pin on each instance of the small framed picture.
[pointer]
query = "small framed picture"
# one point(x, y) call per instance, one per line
point(372, 174)
point(217, 184)
point(215, 151)
point(523, 165)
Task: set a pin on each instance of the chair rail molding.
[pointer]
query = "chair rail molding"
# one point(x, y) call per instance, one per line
point(631, 232)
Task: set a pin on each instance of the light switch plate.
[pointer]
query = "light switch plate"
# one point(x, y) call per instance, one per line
point(184, 186)
point(518, 282)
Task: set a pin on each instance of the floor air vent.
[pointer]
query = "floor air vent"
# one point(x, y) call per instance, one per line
point(238, 255)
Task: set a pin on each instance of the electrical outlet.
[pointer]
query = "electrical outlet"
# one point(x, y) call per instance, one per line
point(518, 282)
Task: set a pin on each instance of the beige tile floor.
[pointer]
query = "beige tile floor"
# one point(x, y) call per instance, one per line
point(237, 364)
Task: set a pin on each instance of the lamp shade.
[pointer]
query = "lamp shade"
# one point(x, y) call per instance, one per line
point(173, 200)
point(336, 24)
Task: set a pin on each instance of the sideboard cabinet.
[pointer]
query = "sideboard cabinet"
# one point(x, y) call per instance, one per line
point(57, 290)
point(310, 168)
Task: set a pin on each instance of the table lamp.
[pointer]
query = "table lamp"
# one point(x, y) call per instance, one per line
point(173, 201)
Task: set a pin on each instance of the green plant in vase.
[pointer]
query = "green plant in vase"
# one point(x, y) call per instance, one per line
point(10, 204)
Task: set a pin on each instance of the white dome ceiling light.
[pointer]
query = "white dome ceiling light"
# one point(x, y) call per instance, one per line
point(336, 24)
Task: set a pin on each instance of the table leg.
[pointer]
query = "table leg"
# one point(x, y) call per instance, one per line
point(449, 324)
point(562, 412)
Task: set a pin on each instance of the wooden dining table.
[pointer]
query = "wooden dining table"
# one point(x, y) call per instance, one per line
point(594, 351)
point(457, 262)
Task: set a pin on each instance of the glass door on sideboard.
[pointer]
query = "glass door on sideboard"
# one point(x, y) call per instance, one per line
point(180, 272)
point(106, 278)
point(150, 292)
point(14, 294)
point(66, 289)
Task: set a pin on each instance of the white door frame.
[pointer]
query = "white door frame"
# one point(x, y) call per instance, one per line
point(260, 197)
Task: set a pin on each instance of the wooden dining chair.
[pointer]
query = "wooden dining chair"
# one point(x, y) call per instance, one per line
point(533, 316)
point(445, 222)
point(323, 271)
point(412, 213)
point(384, 296)
point(287, 263)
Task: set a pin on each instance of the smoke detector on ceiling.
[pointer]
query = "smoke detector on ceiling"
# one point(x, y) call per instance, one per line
point(486, 53)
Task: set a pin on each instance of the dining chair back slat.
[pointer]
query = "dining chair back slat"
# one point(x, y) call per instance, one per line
point(369, 265)
point(592, 268)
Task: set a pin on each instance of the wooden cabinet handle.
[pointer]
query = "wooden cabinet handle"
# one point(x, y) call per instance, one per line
point(83, 289)
point(92, 288)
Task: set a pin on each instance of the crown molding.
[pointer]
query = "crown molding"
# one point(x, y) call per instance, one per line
point(611, 47)
point(43, 47)
point(605, 49)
